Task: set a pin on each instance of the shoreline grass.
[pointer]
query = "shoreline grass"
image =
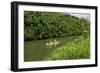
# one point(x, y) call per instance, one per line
point(79, 48)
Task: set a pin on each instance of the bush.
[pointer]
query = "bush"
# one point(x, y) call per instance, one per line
point(79, 48)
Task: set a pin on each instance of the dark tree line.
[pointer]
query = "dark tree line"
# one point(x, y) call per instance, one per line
point(43, 25)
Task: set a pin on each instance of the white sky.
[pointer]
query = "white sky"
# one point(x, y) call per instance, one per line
point(81, 15)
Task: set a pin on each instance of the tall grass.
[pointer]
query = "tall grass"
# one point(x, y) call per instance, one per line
point(79, 48)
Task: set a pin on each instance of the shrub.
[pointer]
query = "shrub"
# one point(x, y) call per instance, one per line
point(79, 48)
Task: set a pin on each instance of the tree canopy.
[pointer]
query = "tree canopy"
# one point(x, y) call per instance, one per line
point(43, 25)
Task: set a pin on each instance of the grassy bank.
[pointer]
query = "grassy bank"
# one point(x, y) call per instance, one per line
point(79, 48)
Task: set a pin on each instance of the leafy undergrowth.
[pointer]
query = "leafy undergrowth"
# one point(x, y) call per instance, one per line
point(79, 48)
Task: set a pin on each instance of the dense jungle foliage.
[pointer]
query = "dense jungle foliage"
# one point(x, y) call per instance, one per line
point(44, 25)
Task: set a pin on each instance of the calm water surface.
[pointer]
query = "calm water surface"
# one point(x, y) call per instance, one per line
point(37, 50)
